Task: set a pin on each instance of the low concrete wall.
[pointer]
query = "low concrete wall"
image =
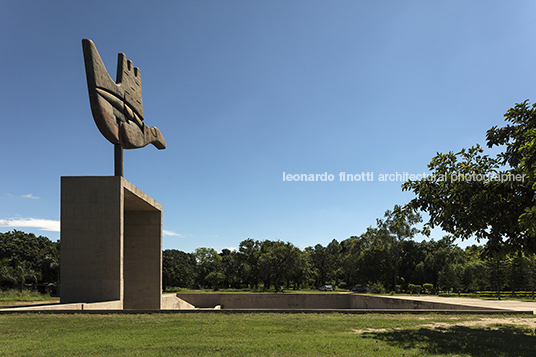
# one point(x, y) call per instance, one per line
point(314, 301)
point(268, 301)
point(284, 302)
point(105, 305)
point(172, 302)
point(384, 302)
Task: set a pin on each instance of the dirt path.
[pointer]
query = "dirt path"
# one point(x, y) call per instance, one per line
point(489, 322)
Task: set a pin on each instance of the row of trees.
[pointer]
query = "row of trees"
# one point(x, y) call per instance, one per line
point(26, 258)
point(384, 257)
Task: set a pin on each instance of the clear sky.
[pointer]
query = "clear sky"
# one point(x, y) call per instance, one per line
point(244, 91)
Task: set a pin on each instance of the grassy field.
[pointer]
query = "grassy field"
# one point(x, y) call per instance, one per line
point(223, 334)
point(15, 297)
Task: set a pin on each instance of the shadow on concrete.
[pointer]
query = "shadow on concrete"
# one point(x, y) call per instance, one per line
point(481, 342)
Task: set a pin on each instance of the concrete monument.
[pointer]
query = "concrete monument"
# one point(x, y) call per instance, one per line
point(117, 107)
point(111, 232)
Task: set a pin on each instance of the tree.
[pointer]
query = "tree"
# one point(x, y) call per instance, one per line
point(376, 265)
point(24, 272)
point(249, 251)
point(436, 254)
point(275, 263)
point(519, 137)
point(318, 260)
point(27, 257)
point(50, 264)
point(428, 287)
point(496, 267)
point(178, 268)
point(7, 275)
point(334, 271)
point(231, 268)
point(449, 278)
point(325, 262)
point(215, 278)
point(352, 249)
point(398, 224)
point(532, 274)
point(469, 194)
point(208, 261)
point(299, 268)
point(518, 274)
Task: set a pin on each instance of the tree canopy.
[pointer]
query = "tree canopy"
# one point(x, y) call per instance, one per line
point(25, 257)
point(471, 194)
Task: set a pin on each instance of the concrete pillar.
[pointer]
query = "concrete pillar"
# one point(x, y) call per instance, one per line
point(111, 243)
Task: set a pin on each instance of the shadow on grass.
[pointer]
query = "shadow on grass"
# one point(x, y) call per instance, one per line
point(504, 341)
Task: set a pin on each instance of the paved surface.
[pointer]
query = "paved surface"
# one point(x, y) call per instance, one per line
point(497, 304)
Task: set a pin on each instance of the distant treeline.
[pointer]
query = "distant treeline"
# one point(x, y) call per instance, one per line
point(28, 260)
point(369, 260)
point(385, 258)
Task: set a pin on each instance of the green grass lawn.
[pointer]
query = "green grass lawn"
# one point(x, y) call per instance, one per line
point(15, 297)
point(263, 334)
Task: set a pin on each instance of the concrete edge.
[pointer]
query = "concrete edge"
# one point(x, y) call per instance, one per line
point(110, 305)
point(286, 311)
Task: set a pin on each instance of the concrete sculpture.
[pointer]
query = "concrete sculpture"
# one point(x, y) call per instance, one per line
point(117, 107)
point(111, 231)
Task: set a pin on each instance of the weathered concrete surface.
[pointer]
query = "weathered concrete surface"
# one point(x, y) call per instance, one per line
point(391, 302)
point(317, 301)
point(482, 303)
point(91, 239)
point(117, 107)
point(106, 305)
point(269, 301)
point(172, 302)
point(111, 243)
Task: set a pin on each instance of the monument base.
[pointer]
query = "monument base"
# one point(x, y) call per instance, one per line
point(111, 243)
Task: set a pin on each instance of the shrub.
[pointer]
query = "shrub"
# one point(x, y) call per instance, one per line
point(378, 288)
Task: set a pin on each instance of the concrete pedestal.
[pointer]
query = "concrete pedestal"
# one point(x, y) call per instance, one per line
point(111, 243)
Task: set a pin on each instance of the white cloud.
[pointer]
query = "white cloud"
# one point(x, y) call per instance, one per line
point(42, 224)
point(30, 196)
point(50, 225)
point(173, 234)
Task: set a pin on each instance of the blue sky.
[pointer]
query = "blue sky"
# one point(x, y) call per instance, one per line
point(246, 90)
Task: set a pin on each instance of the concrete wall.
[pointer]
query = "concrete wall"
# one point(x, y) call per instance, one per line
point(142, 260)
point(314, 301)
point(384, 302)
point(268, 301)
point(172, 302)
point(91, 244)
point(111, 243)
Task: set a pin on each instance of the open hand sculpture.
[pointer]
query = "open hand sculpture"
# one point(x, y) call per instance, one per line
point(117, 106)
